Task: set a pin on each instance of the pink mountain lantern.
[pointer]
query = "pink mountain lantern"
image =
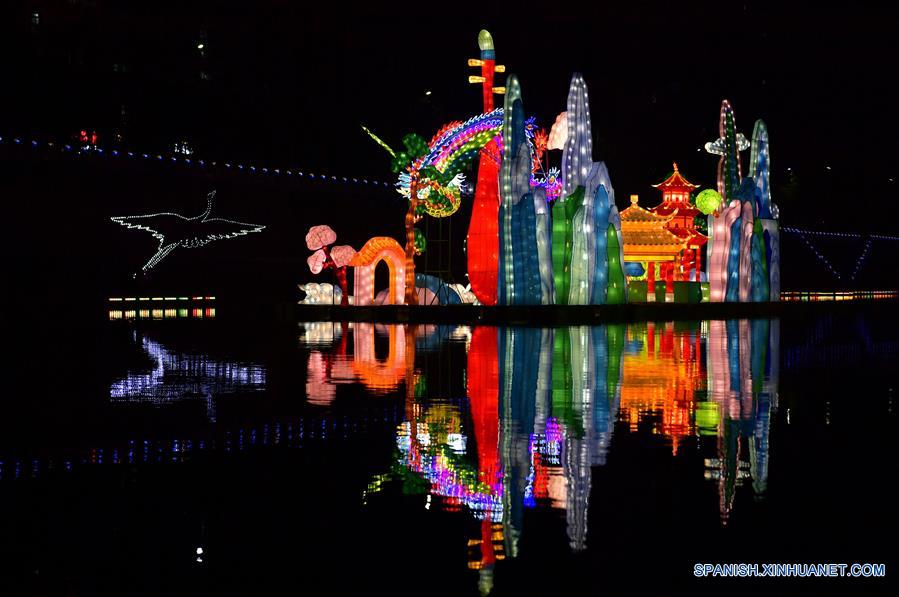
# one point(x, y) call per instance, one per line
point(558, 134)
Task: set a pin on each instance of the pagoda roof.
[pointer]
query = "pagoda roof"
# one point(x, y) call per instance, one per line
point(672, 208)
point(645, 235)
point(637, 214)
point(639, 242)
point(693, 238)
point(676, 181)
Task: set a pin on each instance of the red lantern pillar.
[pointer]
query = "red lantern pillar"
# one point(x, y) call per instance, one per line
point(482, 247)
point(686, 260)
point(482, 244)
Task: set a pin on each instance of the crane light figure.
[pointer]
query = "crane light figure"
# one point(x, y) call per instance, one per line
point(174, 230)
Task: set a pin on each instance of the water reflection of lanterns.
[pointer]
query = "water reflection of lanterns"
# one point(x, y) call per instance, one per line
point(542, 407)
point(379, 375)
point(328, 368)
point(662, 374)
point(743, 375)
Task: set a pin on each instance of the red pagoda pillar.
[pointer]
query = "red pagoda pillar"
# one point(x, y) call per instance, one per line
point(650, 281)
point(686, 260)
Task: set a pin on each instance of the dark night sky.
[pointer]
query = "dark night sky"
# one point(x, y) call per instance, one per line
point(289, 84)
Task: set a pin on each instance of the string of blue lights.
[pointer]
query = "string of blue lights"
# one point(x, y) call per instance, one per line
point(859, 262)
point(820, 257)
point(96, 150)
point(839, 234)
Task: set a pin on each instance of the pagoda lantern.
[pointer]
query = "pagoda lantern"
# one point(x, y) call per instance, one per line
point(676, 198)
point(649, 241)
point(676, 204)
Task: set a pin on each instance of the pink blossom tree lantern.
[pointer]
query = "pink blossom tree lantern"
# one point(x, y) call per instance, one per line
point(319, 239)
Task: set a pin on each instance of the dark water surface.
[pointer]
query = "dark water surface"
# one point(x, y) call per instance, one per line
point(198, 455)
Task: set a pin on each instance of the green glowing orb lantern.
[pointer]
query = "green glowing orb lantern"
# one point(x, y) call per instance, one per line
point(707, 201)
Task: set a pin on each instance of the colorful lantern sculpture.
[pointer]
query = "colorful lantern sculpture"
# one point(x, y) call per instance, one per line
point(430, 176)
point(320, 294)
point(482, 243)
point(584, 272)
point(380, 248)
point(336, 258)
point(768, 256)
point(520, 272)
point(544, 237)
point(708, 201)
point(744, 252)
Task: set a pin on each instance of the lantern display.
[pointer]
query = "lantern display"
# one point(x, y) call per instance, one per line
point(541, 235)
point(376, 250)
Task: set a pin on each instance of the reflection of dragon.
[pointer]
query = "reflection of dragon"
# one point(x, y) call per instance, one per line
point(174, 230)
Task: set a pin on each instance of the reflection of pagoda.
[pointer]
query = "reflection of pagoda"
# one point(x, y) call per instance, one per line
point(676, 203)
point(661, 378)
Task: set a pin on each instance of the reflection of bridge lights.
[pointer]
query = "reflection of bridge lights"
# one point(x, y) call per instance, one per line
point(175, 376)
point(292, 434)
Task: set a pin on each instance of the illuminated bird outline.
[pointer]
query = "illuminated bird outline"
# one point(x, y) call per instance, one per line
point(190, 233)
